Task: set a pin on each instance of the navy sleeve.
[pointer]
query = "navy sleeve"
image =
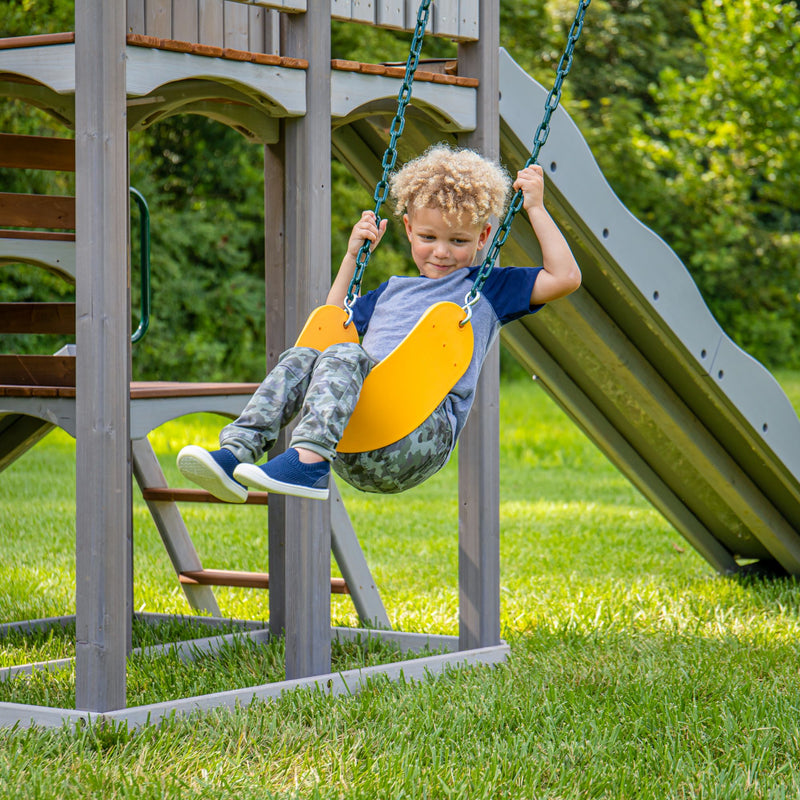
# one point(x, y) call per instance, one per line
point(509, 289)
point(363, 308)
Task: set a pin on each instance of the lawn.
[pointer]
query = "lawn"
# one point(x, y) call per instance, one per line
point(635, 671)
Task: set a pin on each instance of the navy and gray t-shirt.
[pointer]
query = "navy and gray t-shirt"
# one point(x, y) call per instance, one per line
point(385, 316)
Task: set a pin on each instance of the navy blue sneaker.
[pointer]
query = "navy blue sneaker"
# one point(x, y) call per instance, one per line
point(286, 474)
point(213, 470)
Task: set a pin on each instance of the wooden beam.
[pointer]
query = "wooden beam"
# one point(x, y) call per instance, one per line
point(37, 211)
point(479, 445)
point(36, 370)
point(103, 596)
point(37, 152)
point(37, 318)
point(306, 545)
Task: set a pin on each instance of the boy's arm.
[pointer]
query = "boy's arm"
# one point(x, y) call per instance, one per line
point(561, 274)
point(365, 228)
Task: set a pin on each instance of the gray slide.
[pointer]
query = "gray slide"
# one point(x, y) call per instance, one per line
point(639, 363)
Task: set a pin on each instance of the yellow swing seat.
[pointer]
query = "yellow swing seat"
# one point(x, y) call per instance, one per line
point(404, 389)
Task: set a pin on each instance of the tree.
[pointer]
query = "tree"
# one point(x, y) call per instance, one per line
point(725, 143)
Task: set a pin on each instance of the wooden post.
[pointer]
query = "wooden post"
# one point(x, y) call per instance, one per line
point(307, 540)
point(479, 445)
point(103, 492)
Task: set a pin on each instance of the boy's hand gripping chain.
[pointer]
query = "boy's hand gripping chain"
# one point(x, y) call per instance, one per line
point(390, 156)
point(542, 132)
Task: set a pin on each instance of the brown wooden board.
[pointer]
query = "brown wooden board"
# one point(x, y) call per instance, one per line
point(37, 211)
point(35, 370)
point(37, 318)
point(37, 152)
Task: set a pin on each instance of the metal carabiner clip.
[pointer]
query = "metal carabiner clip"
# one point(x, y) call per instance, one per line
point(348, 307)
point(469, 301)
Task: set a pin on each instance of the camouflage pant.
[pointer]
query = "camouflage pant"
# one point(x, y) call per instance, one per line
point(324, 389)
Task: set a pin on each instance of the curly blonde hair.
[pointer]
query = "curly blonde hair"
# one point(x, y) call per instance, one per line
point(455, 181)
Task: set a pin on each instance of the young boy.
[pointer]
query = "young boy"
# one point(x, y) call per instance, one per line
point(446, 197)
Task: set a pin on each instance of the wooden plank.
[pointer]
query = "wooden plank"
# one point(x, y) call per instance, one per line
point(104, 564)
point(158, 18)
point(185, 21)
point(479, 445)
point(235, 23)
point(306, 545)
point(37, 152)
point(210, 22)
point(246, 580)
point(156, 389)
point(37, 211)
point(37, 318)
point(363, 11)
point(174, 495)
point(341, 9)
point(256, 27)
point(47, 236)
point(445, 17)
point(390, 14)
point(37, 370)
point(135, 16)
point(37, 391)
point(469, 20)
point(39, 40)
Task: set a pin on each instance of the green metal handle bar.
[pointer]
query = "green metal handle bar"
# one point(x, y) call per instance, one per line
point(144, 265)
point(390, 156)
point(542, 132)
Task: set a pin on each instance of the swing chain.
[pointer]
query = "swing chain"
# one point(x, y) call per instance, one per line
point(390, 156)
point(542, 132)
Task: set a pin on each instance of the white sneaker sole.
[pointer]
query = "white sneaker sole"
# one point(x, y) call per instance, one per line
point(255, 477)
point(198, 466)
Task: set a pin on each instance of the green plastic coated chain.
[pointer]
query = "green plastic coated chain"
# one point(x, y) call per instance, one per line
point(390, 156)
point(542, 132)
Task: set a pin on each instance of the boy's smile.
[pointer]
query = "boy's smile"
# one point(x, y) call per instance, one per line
point(441, 243)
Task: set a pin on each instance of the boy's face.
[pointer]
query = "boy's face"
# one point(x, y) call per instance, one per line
point(442, 243)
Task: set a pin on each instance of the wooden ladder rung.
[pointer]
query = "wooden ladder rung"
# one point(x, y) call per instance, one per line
point(198, 496)
point(248, 580)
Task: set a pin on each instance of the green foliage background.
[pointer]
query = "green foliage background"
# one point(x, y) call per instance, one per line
point(691, 109)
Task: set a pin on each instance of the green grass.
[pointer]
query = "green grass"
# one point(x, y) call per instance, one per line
point(635, 671)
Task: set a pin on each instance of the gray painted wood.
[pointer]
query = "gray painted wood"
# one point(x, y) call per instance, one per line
point(211, 22)
point(256, 18)
point(171, 527)
point(479, 445)
point(276, 342)
point(355, 570)
point(135, 16)
point(185, 21)
point(236, 21)
point(340, 683)
point(469, 19)
point(103, 491)
point(158, 19)
point(363, 11)
point(306, 546)
point(390, 13)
